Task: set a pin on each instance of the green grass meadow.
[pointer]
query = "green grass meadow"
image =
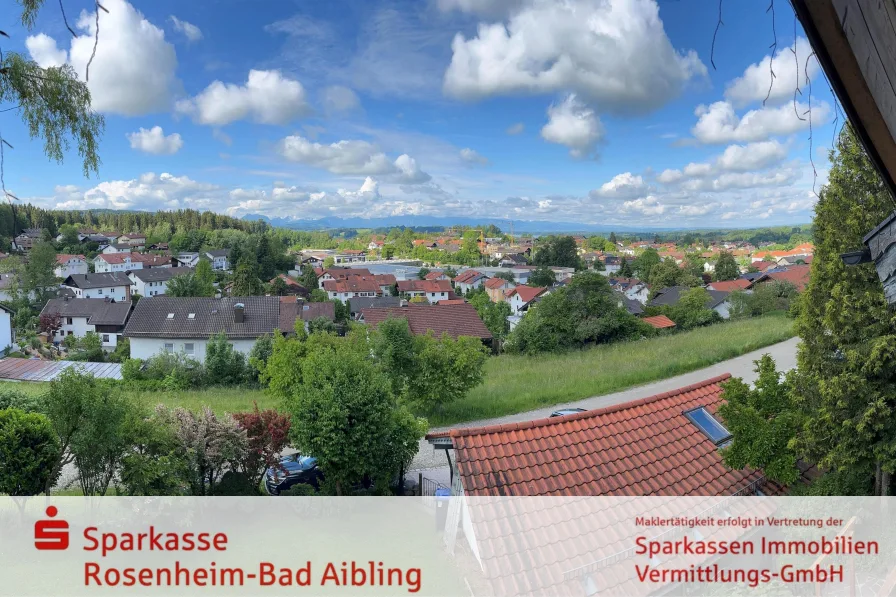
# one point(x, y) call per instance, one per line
point(516, 384)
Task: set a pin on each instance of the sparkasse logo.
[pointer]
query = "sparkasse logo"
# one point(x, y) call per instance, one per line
point(51, 534)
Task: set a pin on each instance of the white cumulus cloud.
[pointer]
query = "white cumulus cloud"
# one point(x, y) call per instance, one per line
point(754, 84)
point(191, 31)
point(625, 185)
point(719, 123)
point(471, 156)
point(574, 125)
point(614, 53)
point(352, 157)
point(133, 72)
point(267, 97)
point(155, 141)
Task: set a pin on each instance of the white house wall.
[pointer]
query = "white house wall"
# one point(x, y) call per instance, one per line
point(5, 331)
point(144, 348)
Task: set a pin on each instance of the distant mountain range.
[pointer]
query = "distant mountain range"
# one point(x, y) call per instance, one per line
point(533, 227)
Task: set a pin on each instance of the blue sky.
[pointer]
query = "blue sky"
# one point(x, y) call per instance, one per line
point(587, 111)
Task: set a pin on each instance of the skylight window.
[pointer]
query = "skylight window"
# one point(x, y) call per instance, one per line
point(708, 424)
point(191, 316)
point(171, 316)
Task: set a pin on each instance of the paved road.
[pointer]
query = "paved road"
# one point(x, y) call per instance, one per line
point(433, 463)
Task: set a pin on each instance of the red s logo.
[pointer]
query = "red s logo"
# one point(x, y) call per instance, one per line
point(51, 534)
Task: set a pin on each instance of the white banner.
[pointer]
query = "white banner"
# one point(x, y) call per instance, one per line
point(460, 546)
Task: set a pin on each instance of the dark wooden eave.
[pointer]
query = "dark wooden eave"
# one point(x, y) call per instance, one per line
point(855, 42)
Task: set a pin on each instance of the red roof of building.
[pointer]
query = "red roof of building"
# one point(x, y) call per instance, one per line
point(115, 258)
point(495, 283)
point(435, 275)
point(424, 286)
point(527, 293)
point(353, 284)
point(341, 273)
point(384, 279)
point(456, 320)
point(798, 275)
point(660, 322)
point(645, 447)
point(730, 285)
point(466, 275)
point(63, 258)
point(451, 302)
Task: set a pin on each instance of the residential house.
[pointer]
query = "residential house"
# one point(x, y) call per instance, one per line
point(7, 333)
point(717, 301)
point(137, 242)
point(496, 288)
point(293, 288)
point(151, 260)
point(662, 445)
point(798, 275)
point(729, 285)
point(357, 305)
point(117, 262)
point(350, 256)
point(293, 309)
point(77, 316)
point(341, 273)
point(114, 285)
point(632, 288)
point(803, 250)
point(455, 320)
point(27, 239)
point(433, 291)
point(171, 324)
point(469, 280)
point(67, 265)
point(520, 297)
point(353, 286)
point(117, 248)
point(612, 263)
point(314, 258)
point(375, 245)
point(187, 259)
point(437, 275)
point(512, 259)
point(633, 306)
point(219, 259)
point(154, 281)
point(158, 247)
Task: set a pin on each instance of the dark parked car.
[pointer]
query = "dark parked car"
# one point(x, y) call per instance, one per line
point(293, 469)
point(567, 411)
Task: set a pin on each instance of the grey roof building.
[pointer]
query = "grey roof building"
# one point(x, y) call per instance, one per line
point(159, 274)
point(671, 295)
point(202, 317)
point(97, 311)
point(104, 280)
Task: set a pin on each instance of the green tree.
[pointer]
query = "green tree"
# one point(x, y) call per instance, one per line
point(345, 414)
point(224, 365)
point(585, 311)
point(422, 273)
point(329, 262)
point(246, 282)
point(261, 353)
point(493, 315)
point(542, 276)
point(69, 233)
point(726, 267)
point(763, 423)
point(846, 383)
point(644, 263)
point(308, 278)
point(665, 274)
point(184, 285)
point(29, 450)
point(102, 441)
point(613, 238)
point(204, 279)
point(40, 282)
point(625, 270)
point(558, 251)
point(277, 287)
point(691, 311)
point(52, 102)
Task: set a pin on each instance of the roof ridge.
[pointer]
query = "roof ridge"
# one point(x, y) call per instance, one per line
point(503, 427)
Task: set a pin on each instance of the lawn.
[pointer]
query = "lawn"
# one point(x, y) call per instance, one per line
point(516, 384)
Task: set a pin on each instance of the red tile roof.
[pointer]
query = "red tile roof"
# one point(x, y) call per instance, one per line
point(469, 274)
point(435, 275)
point(645, 447)
point(424, 286)
point(451, 302)
point(114, 258)
point(798, 275)
point(495, 283)
point(659, 322)
point(353, 284)
point(63, 258)
point(730, 285)
point(456, 320)
point(527, 293)
point(384, 279)
point(341, 273)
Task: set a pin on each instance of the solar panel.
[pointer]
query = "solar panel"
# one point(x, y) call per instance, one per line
point(708, 424)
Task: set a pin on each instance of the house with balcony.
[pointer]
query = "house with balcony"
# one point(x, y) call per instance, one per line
point(77, 316)
point(114, 285)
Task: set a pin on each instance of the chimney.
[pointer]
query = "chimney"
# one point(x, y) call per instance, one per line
point(403, 303)
point(239, 315)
